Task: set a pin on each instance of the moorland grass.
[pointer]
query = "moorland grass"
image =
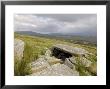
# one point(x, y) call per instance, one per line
point(37, 46)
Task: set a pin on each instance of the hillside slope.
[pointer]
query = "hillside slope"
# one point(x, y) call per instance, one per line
point(35, 47)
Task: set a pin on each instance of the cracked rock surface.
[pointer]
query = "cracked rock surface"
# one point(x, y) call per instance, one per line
point(43, 68)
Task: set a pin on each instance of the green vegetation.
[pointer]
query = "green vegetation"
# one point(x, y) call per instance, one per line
point(36, 46)
point(21, 66)
point(83, 71)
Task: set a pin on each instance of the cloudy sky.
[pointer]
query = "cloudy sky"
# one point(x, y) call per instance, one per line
point(56, 23)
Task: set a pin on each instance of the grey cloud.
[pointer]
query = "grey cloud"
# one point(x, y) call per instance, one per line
point(48, 29)
point(67, 17)
point(57, 23)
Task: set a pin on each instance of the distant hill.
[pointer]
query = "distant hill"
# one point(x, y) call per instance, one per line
point(28, 33)
point(69, 37)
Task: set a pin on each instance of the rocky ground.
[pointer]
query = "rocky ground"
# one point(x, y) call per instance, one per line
point(48, 65)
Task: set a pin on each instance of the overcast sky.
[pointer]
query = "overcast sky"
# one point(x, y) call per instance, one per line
point(56, 23)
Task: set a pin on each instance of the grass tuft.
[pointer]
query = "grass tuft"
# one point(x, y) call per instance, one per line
point(21, 66)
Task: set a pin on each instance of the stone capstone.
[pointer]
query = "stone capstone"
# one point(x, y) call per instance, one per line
point(70, 49)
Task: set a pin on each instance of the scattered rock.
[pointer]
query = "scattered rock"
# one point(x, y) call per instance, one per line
point(18, 48)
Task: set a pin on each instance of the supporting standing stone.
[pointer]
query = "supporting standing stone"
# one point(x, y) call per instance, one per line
point(18, 49)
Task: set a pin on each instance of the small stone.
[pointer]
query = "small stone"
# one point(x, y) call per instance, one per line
point(48, 53)
point(53, 60)
point(93, 68)
point(85, 62)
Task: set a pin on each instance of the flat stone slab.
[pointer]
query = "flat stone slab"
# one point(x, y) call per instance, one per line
point(71, 49)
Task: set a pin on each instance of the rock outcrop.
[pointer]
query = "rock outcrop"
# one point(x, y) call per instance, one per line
point(18, 48)
point(51, 66)
point(61, 60)
point(57, 70)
